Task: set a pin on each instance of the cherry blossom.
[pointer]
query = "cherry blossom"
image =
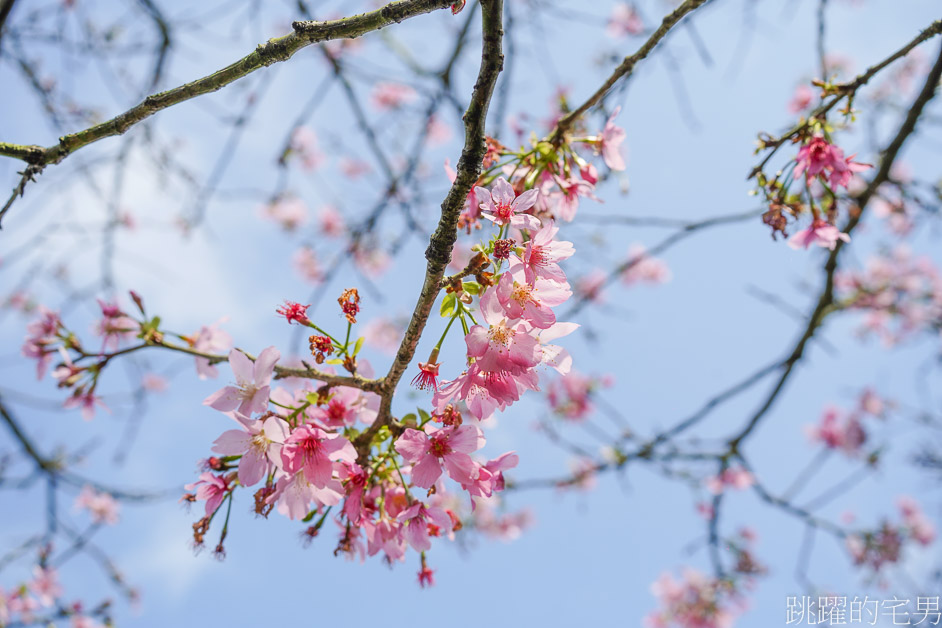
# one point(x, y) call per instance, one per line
point(503, 207)
point(258, 443)
point(446, 446)
point(250, 394)
point(821, 233)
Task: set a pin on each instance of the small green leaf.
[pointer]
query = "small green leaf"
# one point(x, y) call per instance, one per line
point(423, 415)
point(335, 361)
point(358, 345)
point(448, 305)
point(472, 287)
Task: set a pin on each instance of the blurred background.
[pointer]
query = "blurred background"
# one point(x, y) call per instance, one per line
point(222, 207)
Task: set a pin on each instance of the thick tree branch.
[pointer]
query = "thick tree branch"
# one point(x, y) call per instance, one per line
point(443, 240)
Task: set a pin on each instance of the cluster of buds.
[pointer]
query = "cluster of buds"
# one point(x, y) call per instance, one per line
point(875, 549)
point(819, 169)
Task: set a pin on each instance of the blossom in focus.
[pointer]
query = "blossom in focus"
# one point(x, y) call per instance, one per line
point(542, 255)
point(503, 207)
point(447, 446)
point(210, 488)
point(250, 394)
point(312, 450)
point(258, 443)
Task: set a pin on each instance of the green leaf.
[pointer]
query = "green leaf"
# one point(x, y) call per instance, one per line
point(472, 287)
point(309, 516)
point(358, 345)
point(423, 415)
point(448, 305)
point(334, 361)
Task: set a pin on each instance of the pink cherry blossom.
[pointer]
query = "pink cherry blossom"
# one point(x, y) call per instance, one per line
point(624, 21)
point(610, 141)
point(734, 477)
point(919, 526)
point(846, 434)
point(505, 344)
point(532, 302)
point(564, 201)
point(294, 493)
point(694, 601)
point(643, 268)
point(415, 523)
point(100, 505)
point(821, 233)
point(45, 585)
point(152, 382)
point(250, 394)
point(541, 256)
point(816, 156)
point(307, 265)
point(446, 446)
point(801, 99)
point(211, 488)
point(289, 212)
point(210, 339)
point(346, 406)
point(331, 222)
point(258, 442)
point(392, 95)
point(484, 392)
point(87, 401)
point(503, 207)
point(42, 334)
point(115, 326)
point(304, 143)
point(312, 450)
point(491, 476)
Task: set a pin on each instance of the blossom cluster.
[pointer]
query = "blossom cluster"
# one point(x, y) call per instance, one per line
point(846, 432)
point(298, 445)
point(39, 601)
point(900, 294)
point(79, 368)
point(696, 600)
point(875, 549)
point(821, 170)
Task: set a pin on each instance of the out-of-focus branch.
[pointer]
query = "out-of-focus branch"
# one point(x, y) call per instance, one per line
point(274, 50)
point(627, 66)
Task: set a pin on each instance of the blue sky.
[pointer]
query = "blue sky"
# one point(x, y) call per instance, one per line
point(590, 556)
